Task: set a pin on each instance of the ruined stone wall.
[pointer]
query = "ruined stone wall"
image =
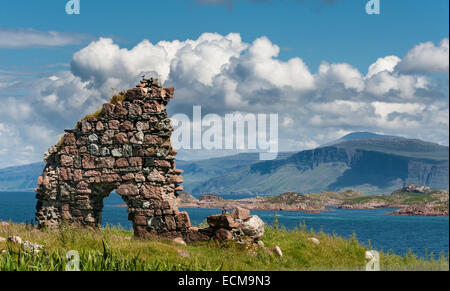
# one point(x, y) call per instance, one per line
point(125, 148)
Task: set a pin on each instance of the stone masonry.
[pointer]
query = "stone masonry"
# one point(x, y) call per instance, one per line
point(126, 147)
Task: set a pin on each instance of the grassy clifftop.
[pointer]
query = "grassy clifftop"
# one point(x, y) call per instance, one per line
point(435, 202)
point(116, 249)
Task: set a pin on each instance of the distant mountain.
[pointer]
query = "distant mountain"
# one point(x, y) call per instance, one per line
point(413, 148)
point(358, 136)
point(197, 173)
point(378, 164)
point(20, 177)
point(370, 163)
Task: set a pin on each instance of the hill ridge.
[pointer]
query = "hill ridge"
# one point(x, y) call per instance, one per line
point(374, 166)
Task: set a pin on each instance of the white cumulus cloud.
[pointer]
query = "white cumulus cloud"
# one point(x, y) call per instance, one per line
point(224, 74)
point(383, 64)
point(427, 58)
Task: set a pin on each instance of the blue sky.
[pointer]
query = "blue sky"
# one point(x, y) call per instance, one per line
point(314, 29)
point(323, 64)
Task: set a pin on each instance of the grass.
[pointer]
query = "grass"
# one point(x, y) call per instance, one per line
point(60, 143)
point(97, 113)
point(120, 97)
point(114, 248)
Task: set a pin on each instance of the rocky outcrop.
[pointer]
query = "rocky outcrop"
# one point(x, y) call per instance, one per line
point(422, 210)
point(413, 200)
point(371, 205)
point(288, 201)
point(209, 197)
point(410, 200)
point(186, 199)
point(124, 147)
point(436, 205)
point(412, 188)
point(334, 199)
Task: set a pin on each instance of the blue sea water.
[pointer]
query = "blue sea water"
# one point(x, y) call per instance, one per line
point(385, 232)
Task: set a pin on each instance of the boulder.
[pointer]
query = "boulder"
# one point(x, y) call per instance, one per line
point(240, 213)
point(194, 234)
point(222, 221)
point(223, 235)
point(253, 227)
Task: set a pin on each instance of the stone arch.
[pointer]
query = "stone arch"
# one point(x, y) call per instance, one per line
point(125, 147)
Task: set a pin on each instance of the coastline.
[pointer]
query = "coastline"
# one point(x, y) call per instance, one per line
point(412, 200)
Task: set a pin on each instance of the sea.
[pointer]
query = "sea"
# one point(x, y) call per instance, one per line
point(421, 235)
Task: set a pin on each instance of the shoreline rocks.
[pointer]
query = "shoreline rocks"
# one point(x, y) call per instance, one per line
point(375, 202)
point(316, 203)
point(420, 210)
point(412, 188)
point(284, 202)
point(239, 226)
point(411, 200)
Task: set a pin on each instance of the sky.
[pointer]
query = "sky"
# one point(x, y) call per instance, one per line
point(326, 67)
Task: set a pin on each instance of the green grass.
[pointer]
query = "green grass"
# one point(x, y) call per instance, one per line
point(60, 142)
point(119, 97)
point(97, 113)
point(114, 248)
